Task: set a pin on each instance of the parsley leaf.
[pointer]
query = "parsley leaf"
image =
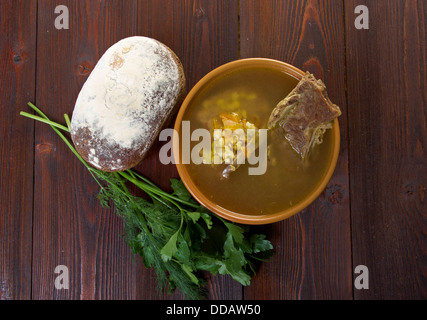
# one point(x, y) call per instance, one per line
point(170, 247)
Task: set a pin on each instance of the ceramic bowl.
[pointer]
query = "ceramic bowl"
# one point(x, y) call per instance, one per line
point(204, 199)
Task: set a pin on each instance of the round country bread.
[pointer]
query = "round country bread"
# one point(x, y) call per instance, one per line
point(133, 90)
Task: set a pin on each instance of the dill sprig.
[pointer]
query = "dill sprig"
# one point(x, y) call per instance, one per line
point(171, 232)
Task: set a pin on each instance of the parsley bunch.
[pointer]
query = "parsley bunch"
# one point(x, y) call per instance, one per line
point(172, 233)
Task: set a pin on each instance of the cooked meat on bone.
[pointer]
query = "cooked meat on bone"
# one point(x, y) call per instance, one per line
point(305, 114)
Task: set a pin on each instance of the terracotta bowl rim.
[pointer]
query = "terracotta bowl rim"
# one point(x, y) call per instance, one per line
point(204, 200)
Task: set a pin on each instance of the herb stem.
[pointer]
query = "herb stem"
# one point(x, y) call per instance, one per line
point(142, 178)
point(67, 121)
point(121, 183)
point(40, 119)
point(154, 189)
point(55, 126)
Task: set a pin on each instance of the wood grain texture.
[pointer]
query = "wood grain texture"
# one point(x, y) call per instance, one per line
point(17, 87)
point(70, 227)
point(82, 228)
point(387, 93)
point(313, 248)
point(204, 35)
point(49, 214)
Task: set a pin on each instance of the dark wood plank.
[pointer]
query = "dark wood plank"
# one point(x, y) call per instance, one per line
point(83, 230)
point(313, 248)
point(387, 98)
point(204, 35)
point(70, 227)
point(17, 87)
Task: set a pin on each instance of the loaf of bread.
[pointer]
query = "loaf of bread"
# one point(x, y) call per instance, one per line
point(133, 90)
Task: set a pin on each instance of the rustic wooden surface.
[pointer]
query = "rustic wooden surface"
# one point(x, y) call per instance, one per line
point(387, 92)
point(372, 213)
point(313, 260)
point(17, 86)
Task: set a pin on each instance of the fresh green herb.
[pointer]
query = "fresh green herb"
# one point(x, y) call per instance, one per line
point(172, 233)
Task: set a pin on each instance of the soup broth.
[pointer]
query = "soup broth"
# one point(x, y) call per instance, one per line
point(288, 179)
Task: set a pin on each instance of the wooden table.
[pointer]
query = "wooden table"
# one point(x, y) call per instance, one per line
point(372, 213)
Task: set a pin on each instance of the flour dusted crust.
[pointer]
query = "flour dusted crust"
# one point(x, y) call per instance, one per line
point(133, 90)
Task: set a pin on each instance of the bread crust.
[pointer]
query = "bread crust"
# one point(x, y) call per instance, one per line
point(135, 88)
